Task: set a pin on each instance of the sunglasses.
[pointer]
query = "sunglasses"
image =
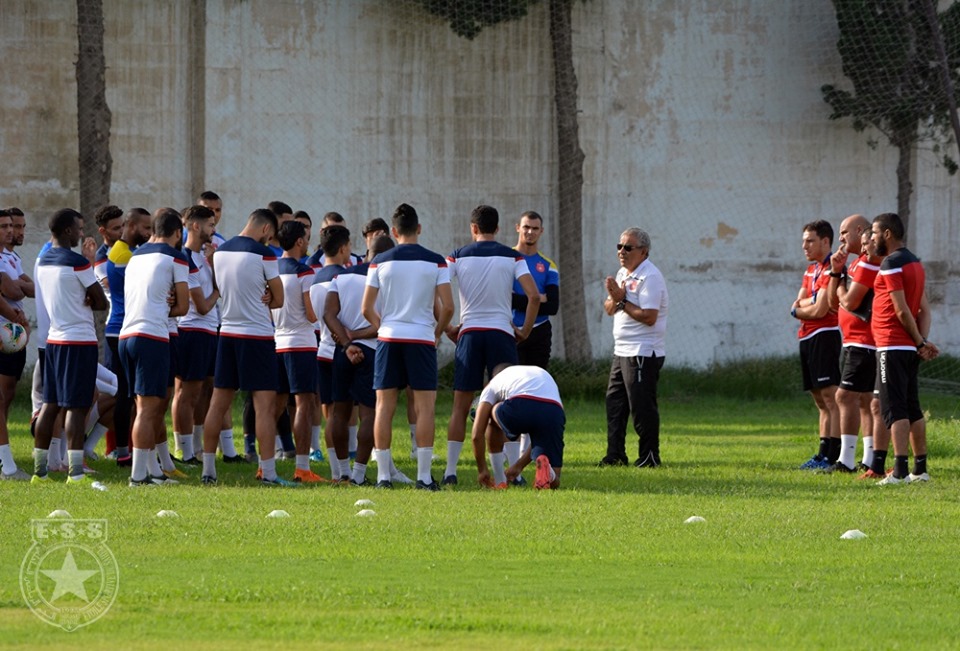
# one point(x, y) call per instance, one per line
point(626, 247)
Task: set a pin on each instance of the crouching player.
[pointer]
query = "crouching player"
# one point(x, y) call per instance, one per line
point(520, 399)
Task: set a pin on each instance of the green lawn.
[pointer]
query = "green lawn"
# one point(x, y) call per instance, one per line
point(605, 563)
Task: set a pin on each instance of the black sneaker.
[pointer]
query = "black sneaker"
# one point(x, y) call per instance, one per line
point(432, 486)
point(449, 480)
point(838, 467)
point(649, 461)
point(208, 480)
point(862, 467)
point(125, 462)
point(363, 482)
point(612, 461)
point(192, 461)
point(519, 481)
point(384, 483)
point(148, 481)
point(237, 458)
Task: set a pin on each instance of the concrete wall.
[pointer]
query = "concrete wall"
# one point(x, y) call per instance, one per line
point(701, 122)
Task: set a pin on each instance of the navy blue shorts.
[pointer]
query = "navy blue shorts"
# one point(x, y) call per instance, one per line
point(11, 364)
point(479, 351)
point(297, 372)
point(400, 364)
point(543, 421)
point(245, 364)
point(354, 382)
point(146, 361)
point(197, 355)
point(70, 375)
point(174, 359)
point(325, 381)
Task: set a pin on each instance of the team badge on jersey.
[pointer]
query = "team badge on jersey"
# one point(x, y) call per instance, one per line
point(541, 268)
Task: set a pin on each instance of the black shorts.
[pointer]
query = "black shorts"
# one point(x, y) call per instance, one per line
point(12, 364)
point(899, 389)
point(535, 349)
point(858, 369)
point(820, 360)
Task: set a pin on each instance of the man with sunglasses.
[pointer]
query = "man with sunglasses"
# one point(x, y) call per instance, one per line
point(637, 301)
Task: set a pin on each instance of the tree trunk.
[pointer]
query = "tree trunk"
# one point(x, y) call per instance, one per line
point(93, 114)
point(933, 23)
point(904, 143)
point(576, 339)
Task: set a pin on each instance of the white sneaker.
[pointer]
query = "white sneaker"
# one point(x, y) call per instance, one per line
point(398, 477)
point(17, 475)
point(890, 480)
point(91, 455)
point(911, 478)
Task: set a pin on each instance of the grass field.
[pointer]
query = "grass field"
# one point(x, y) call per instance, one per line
point(605, 563)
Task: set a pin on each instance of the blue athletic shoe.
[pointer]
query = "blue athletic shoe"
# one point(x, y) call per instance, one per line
point(816, 463)
point(279, 481)
point(316, 456)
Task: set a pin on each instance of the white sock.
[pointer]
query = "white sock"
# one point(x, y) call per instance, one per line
point(496, 463)
point(93, 438)
point(315, 437)
point(6, 460)
point(63, 445)
point(53, 458)
point(867, 451)
point(185, 445)
point(848, 450)
point(277, 445)
point(198, 439)
point(163, 451)
point(511, 450)
point(226, 443)
point(303, 462)
point(210, 464)
point(352, 444)
point(424, 459)
point(93, 415)
point(344, 466)
point(453, 456)
point(359, 472)
point(384, 463)
point(153, 464)
point(268, 468)
point(75, 462)
point(524, 444)
point(334, 463)
point(139, 470)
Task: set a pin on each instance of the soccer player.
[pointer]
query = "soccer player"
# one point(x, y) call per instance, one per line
point(296, 343)
point(901, 323)
point(819, 336)
point(136, 230)
point(520, 399)
point(70, 292)
point(852, 290)
point(197, 346)
point(246, 273)
point(155, 272)
point(486, 337)
point(318, 259)
point(410, 282)
point(353, 358)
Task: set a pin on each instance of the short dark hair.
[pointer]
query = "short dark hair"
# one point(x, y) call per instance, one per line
point(486, 218)
point(302, 214)
point(209, 195)
point(279, 208)
point(332, 238)
point(333, 218)
point(166, 222)
point(5, 213)
point(135, 213)
point(405, 219)
point(63, 219)
point(891, 221)
point(381, 244)
point(532, 214)
point(375, 225)
point(821, 227)
point(197, 214)
point(106, 214)
point(289, 233)
point(262, 216)
point(15, 212)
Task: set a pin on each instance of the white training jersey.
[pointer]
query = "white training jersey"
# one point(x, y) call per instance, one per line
point(294, 332)
point(243, 266)
point(11, 265)
point(201, 277)
point(645, 287)
point(407, 277)
point(349, 287)
point(152, 272)
point(39, 334)
point(64, 276)
point(485, 272)
point(318, 296)
point(521, 382)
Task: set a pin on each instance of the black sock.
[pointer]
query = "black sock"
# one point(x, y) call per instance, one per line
point(824, 448)
point(879, 462)
point(920, 464)
point(833, 447)
point(900, 466)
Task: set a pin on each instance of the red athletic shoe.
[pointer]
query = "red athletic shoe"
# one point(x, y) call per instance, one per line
point(542, 479)
point(871, 475)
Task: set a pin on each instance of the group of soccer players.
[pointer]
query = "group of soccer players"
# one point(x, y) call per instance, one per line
point(874, 316)
point(195, 317)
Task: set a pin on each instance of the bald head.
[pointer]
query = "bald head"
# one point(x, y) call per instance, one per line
point(851, 229)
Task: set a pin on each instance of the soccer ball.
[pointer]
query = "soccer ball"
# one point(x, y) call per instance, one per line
point(13, 337)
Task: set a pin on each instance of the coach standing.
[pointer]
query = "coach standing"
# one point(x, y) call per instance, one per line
point(637, 301)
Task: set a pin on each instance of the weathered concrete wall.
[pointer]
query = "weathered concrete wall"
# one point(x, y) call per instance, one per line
point(701, 122)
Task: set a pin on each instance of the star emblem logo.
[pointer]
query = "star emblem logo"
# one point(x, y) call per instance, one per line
point(69, 579)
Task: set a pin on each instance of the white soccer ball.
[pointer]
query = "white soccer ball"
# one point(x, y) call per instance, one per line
point(13, 337)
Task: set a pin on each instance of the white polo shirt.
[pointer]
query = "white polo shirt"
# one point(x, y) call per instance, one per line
point(64, 276)
point(485, 272)
point(294, 332)
point(243, 266)
point(153, 270)
point(645, 287)
point(349, 287)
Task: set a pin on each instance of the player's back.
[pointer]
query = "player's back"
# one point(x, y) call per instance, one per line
point(485, 272)
point(349, 287)
point(318, 296)
point(63, 276)
point(242, 267)
point(293, 330)
point(151, 272)
point(407, 276)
